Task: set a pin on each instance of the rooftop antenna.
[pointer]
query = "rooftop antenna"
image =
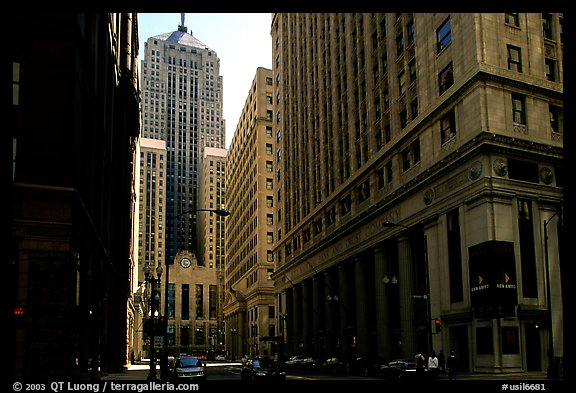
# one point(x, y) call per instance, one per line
point(181, 27)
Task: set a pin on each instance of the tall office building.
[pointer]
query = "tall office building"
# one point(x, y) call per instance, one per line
point(151, 205)
point(211, 228)
point(249, 305)
point(419, 178)
point(182, 105)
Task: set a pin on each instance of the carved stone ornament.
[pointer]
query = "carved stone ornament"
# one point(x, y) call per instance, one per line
point(429, 196)
point(500, 167)
point(475, 170)
point(546, 175)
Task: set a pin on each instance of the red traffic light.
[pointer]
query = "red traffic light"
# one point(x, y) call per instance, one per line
point(438, 325)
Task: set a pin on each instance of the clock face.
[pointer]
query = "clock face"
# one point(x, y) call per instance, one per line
point(185, 262)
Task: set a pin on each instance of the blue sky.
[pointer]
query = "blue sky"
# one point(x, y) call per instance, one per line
point(241, 40)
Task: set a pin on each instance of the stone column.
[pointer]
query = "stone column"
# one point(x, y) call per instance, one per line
point(381, 268)
point(360, 281)
point(297, 318)
point(318, 313)
point(307, 310)
point(345, 311)
point(409, 339)
point(330, 324)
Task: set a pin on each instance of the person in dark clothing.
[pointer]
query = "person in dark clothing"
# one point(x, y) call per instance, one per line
point(452, 366)
point(420, 365)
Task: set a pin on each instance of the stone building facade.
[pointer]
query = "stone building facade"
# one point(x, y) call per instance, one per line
point(419, 163)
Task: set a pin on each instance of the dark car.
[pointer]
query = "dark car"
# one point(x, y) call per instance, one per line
point(262, 369)
point(367, 366)
point(189, 368)
point(399, 369)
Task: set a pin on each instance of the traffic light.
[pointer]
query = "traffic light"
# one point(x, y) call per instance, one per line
point(438, 325)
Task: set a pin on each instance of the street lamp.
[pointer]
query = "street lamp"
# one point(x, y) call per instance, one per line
point(233, 331)
point(164, 359)
point(389, 224)
point(552, 366)
point(154, 302)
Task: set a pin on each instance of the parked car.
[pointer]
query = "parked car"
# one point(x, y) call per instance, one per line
point(220, 357)
point(262, 369)
point(294, 361)
point(190, 368)
point(367, 366)
point(310, 363)
point(335, 366)
point(399, 369)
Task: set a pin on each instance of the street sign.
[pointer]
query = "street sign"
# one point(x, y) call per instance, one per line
point(419, 296)
point(158, 342)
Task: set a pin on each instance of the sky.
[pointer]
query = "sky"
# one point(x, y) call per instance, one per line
point(242, 41)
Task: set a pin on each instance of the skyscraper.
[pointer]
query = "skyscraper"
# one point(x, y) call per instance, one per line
point(249, 309)
point(182, 105)
point(420, 177)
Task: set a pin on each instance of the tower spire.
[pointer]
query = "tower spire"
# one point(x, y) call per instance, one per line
point(181, 27)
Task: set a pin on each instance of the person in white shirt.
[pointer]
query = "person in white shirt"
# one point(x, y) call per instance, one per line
point(433, 365)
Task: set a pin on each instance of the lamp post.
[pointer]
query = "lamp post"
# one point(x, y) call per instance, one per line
point(233, 331)
point(426, 296)
point(154, 302)
point(552, 366)
point(164, 359)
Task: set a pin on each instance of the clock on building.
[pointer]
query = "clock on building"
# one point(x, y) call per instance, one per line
point(185, 262)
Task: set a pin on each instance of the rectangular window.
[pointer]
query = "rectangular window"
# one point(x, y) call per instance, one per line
point(519, 109)
point(556, 119)
point(403, 118)
point(399, 44)
point(445, 78)
point(213, 301)
point(402, 82)
point(448, 127)
point(199, 301)
point(185, 308)
point(414, 108)
point(510, 342)
point(410, 30)
point(514, 58)
point(412, 71)
point(550, 69)
point(199, 335)
point(411, 155)
point(443, 35)
point(512, 19)
point(184, 336)
point(547, 26)
point(484, 341)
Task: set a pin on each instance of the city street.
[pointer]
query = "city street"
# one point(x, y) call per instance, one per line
point(230, 371)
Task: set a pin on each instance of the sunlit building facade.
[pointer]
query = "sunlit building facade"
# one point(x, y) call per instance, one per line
point(419, 177)
point(249, 305)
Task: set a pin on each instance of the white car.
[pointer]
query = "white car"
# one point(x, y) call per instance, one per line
point(220, 357)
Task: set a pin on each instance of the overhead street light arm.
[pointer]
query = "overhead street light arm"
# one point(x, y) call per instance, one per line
point(389, 224)
point(219, 212)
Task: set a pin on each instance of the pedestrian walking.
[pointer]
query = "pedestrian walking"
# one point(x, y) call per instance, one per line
point(433, 365)
point(441, 361)
point(420, 364)
point(452, 366)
